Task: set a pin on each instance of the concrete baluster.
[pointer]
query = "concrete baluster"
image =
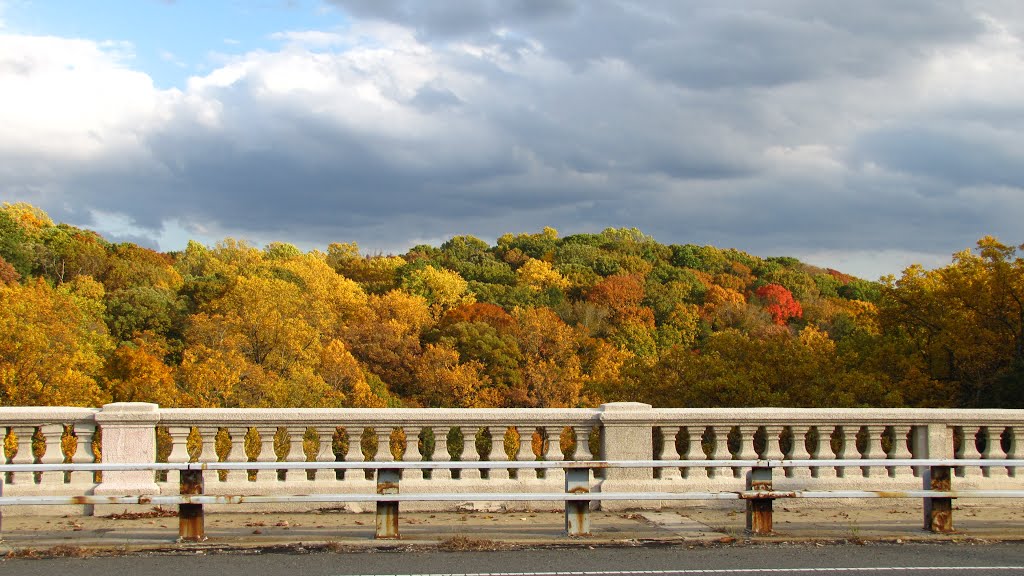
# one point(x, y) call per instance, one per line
point(325, 453)
point(968, 451)
point(820, 448)
point(84, 431)
point(553, 452)
point(24, 454)
point(690, 449)
point(296, 453)
point(383, 434)
point(1016, 450)
point(746, 451)
point(668, 452)
point(525, 452)
point(798, 451)
point(873, 450)
point(993, 450)
point(237, 454)
point(441, 453)
point(899, 450)
point(848, 448)
point(411, 452)
point(772, 442)
point(469, 453)
point(582, 443)
point(719, 447)
point(179, 450)
point(497, 453)
point(267, 453)
point(54, 452)
point(412, 444)
point(208, 443)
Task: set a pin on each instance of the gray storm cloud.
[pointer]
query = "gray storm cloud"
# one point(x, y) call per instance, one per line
point(792, 127)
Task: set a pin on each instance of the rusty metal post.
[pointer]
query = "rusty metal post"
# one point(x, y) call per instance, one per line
point(759, 510)
point(387, 512)
point(577, 512)
point(938, 512)
point(191, 523)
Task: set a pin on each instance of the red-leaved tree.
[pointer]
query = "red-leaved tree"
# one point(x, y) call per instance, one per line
point(779, 302)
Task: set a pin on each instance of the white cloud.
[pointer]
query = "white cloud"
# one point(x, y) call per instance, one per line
point(71, 99)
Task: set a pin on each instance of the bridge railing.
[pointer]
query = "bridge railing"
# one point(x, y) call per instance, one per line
point(278, 439)
point(846, 434)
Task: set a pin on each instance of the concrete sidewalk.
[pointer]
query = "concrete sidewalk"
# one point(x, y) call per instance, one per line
point(793, 521)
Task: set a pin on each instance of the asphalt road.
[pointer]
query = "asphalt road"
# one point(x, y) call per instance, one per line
point(775, 559)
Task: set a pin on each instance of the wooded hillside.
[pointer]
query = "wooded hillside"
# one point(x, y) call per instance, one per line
point(537, 320)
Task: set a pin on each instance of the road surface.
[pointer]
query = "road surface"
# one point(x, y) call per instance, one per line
point(872, 559)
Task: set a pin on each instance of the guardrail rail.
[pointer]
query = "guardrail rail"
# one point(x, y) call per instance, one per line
point(937, 491)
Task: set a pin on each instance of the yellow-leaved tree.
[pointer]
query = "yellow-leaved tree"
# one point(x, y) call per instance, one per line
point(443, 289)
point(539, 275)
point(552, 372)
point(52, 344)
point(441, 381)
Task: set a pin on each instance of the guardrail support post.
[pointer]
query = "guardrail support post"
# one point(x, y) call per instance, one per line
point(938, 512)
point(387, 512)
point(759, 510)
point(191, 521)
point(577, 512)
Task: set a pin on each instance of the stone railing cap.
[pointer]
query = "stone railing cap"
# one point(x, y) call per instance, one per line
point(129, 412)
point(130, 407)
point(624, 406)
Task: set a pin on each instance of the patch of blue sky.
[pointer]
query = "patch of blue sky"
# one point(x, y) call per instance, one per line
point(171, 40)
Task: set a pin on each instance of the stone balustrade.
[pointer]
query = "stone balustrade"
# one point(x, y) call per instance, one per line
point(138, 432)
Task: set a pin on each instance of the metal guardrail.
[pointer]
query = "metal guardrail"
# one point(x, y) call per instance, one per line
point(936, 474)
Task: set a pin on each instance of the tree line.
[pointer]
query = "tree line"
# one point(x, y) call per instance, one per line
point(536, 320)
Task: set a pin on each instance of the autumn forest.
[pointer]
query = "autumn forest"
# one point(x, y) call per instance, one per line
point(536, 320)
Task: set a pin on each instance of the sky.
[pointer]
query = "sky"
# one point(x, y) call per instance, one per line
point(861, 136)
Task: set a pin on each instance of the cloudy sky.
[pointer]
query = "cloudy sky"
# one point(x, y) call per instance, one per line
point(862, 136)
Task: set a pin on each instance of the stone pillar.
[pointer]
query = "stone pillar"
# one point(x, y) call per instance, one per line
point(129, 436)
point(627, 434)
